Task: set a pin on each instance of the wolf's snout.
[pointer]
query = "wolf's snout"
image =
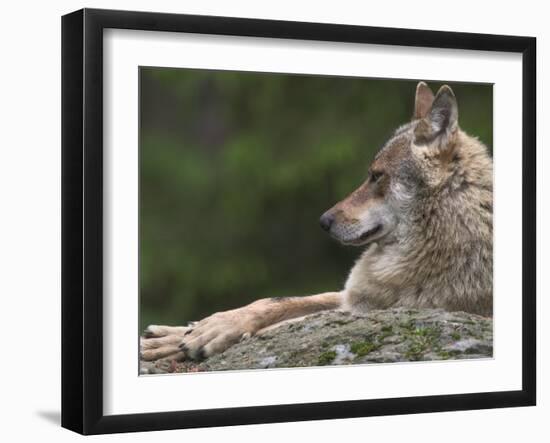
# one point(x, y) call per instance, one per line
point(326, 220)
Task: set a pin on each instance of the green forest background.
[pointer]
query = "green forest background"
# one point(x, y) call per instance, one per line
point(236, 169)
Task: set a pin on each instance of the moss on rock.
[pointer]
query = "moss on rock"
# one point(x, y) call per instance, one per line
point(340, 338)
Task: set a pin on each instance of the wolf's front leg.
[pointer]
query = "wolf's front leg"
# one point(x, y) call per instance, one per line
point(218, 332)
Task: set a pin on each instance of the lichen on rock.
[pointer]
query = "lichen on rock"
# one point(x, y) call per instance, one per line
point(341, 338)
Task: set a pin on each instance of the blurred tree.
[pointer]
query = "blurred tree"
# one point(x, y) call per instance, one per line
point(236, 168)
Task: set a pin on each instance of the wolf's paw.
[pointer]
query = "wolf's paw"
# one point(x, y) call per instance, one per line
point(162, 342)
point(218, 332)
point(154, 331)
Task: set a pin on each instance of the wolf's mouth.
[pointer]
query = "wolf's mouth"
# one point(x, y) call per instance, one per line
point(370, 233)
point(364, 237)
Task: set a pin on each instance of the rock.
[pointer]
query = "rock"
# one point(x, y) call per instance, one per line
point(340, 338)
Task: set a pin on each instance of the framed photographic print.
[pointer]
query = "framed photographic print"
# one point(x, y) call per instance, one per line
point(269, 221)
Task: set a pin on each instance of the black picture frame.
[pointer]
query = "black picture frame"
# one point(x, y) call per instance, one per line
point(82, 220)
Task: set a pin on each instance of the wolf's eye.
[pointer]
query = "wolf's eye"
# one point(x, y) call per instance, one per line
point(376, 175)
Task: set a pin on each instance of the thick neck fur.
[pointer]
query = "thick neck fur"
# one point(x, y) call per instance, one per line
point(440, 254)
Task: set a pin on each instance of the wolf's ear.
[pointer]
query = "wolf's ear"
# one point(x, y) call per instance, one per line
point(423, 101)
point(442, 118)
point(444, 113)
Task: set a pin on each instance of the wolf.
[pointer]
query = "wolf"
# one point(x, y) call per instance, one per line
point(424, 218)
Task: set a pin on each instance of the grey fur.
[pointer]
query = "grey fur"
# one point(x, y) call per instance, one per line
point(439, 251)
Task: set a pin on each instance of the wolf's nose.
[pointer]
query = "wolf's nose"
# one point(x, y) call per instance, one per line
point(326, 221)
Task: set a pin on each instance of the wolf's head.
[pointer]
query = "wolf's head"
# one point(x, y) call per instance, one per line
point(421, 159)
